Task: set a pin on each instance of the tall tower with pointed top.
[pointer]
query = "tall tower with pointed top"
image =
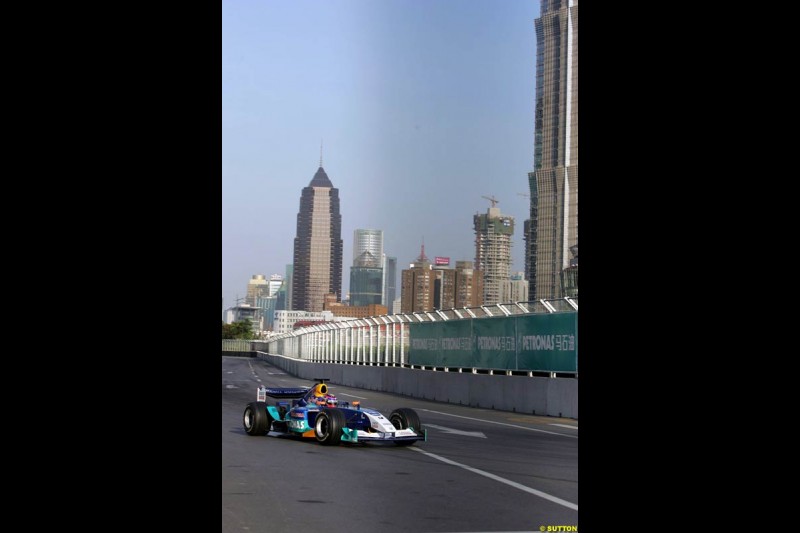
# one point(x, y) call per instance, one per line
point(318, 245)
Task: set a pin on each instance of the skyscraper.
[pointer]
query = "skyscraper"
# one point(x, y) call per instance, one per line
point(284, 301)
point(366, 274)
point(318, 245)
point(444, 294)
point(514, 289)
point(554, 180)
point(389, 281)
point(493, 233)
point(417, 286)
point(257, 291)
point(367, 240)
point(256, 287)
point(275, 282)
point(469, 285)
point(366, 280)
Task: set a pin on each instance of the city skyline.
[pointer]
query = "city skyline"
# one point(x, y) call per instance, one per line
point(422, 109)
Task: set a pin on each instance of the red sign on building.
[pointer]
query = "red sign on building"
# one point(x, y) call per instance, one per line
point(442, 261)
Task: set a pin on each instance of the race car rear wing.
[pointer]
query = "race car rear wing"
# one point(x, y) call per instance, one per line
point(281, 392)
point(292, 392)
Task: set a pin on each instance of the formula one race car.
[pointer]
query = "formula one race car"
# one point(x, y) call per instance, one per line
point(315, 413)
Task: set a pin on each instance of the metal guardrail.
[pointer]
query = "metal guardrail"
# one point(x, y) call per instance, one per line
point(384, 339)
point(504, 309)
point(237, 345)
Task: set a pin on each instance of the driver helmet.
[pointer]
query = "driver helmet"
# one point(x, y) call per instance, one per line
point(331, 401)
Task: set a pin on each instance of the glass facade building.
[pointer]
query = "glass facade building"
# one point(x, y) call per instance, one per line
point(389, 281)
point(366, 285)
point(366, 274)
point(553, 225)
point(367, 240)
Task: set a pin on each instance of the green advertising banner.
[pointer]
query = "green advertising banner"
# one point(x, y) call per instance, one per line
point(548, 342)
point(540, 342)
point(495, 343)
point(441, 344)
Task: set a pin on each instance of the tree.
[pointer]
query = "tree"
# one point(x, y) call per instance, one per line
point(238, 330)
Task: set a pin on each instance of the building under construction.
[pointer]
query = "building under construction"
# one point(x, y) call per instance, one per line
point(493, 233)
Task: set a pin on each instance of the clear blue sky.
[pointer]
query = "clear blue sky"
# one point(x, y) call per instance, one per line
point(423, 107)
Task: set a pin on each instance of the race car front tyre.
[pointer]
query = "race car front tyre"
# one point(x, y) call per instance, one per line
point(328, 426)
point(404, 418)
point(256, 419)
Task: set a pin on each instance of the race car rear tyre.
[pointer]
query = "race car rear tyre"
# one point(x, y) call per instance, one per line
point(404, 418)
point(328, 426)
point(256, 419)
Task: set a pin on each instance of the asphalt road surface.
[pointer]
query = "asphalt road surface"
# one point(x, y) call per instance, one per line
point(480, 470)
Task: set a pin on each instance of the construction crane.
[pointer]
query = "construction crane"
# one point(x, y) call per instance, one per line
point(524, 194)
point(492, 199)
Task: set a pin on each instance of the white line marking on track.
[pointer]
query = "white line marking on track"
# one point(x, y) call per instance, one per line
point(501, 424)
point(565, 426)
point(458, 431)
point(514, 484)
point(352, 396)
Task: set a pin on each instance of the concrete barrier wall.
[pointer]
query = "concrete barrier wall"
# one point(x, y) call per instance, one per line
point(521, 394)
point(238, 354)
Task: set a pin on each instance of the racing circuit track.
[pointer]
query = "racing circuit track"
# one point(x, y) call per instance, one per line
point(480, 470)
